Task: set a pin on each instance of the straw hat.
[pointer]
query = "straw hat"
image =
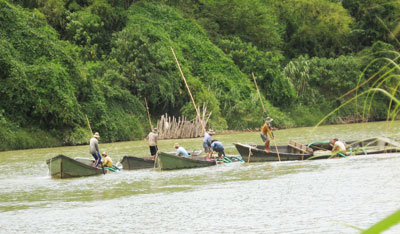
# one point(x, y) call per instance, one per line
point(176, 145)
point(96, 135)
point(104, 153)
point(211, 132)
point(269, 119)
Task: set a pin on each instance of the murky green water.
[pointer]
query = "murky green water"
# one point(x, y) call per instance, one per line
point(280, 197)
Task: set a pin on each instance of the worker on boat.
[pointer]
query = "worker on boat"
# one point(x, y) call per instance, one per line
point(107, 162)
point(266, 131)
point(217, 147)
point(180, 151)
point(338, 147)
point(94, 149)
point(153, 138)
point(207, 142)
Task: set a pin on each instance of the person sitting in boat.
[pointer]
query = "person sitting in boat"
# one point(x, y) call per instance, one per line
point(107, 162)
point(338, 147)
point(265, 131)
point(94, 149)
point(207, 142)
point(218, 147)
point(180, 151)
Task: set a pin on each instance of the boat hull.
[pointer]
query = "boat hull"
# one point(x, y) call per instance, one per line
point(62, 166)
point(167, 161)
point(256, 153)
point(134, 163)
point(321, 150)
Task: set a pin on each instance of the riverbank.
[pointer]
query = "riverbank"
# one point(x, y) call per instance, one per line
point(39, 139)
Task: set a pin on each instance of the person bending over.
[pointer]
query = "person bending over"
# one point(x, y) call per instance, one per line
point(217, 147)
point(180, 151)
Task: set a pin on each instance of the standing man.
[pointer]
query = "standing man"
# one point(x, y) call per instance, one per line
point(94, 149)
point(265, 131)
point(207, 142)
point(153, 138)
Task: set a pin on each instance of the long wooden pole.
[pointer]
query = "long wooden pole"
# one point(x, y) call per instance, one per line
point(187, 87)
point(148, 113)
point(258, 91)
point(87, 120)
point(265, 111)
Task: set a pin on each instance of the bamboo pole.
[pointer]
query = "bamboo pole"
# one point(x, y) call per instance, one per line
point(87, 120)
point(258, 91)
point(148, 113)
point(187, 86)
point(265, 111)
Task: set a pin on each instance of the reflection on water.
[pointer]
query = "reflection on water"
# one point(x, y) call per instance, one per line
point(274, 197)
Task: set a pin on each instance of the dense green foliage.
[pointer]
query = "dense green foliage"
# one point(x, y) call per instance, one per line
point(62, 61)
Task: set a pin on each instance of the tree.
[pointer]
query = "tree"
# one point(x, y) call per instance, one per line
point(375, 20)
point(315, 27)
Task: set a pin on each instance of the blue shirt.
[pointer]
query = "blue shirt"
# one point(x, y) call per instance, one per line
point(207, 140)
point(182, 151)
point(216, 145)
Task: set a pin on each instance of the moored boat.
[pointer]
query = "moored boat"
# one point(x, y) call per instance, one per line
point(62, 166)
point(133, 163)
point(167, 161)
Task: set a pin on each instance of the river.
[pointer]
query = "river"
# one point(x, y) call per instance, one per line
point(321, 196)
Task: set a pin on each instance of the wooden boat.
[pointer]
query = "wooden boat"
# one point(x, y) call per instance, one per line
point(133, 163)
point(256, 153)
point(379, 145)
point(62, 166)
point(167, 161)
point(316, 150)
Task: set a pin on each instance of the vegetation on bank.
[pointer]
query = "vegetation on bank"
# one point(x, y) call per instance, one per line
point(61, 61)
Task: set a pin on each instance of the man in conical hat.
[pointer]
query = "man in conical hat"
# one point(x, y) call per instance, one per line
point(266, 131)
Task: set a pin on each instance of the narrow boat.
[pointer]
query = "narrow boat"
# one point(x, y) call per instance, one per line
point(256, 153)
point(133, 163)
point(167, 161)
point(376, 145)
point(315, 150)
point(62, 166)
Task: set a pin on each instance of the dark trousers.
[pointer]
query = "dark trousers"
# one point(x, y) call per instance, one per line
point(97, 158)
point(153, 150)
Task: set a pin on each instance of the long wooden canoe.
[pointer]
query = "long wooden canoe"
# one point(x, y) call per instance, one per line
point(257, 153)
point(133, 163)
point(316, 150)
point(376, 145)
point(62, 166)
point(168, 161)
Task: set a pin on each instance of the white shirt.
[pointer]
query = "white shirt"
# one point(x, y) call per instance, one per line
point(339, 146)
point(153, 137)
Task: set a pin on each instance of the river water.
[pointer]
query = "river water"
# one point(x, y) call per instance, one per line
point(321, 196)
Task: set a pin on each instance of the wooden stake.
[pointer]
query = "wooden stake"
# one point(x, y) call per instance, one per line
point(187, 86)
point(265, 111)
point(148, 114)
